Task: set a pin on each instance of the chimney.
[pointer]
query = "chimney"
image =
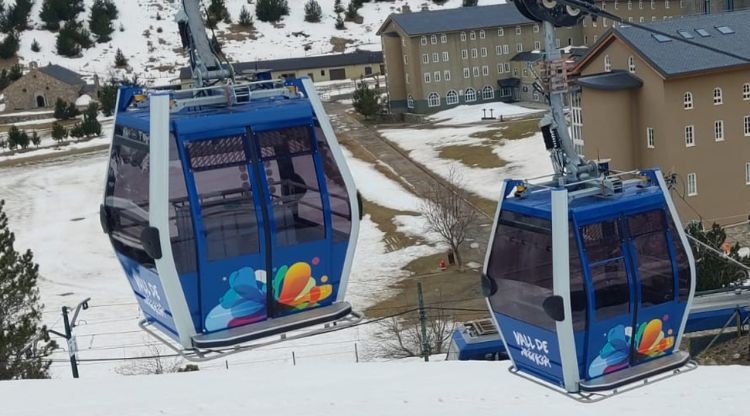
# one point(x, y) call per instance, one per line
point(405, 9)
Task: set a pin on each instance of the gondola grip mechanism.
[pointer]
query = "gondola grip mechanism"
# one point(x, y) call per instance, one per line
point(489, 286)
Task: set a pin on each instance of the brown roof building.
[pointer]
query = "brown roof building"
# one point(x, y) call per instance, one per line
point(647, 100)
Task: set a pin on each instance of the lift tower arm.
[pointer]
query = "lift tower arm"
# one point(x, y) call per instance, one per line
point(205, 63)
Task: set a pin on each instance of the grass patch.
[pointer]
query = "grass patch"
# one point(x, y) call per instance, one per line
point(475, 156)
point(383, 218)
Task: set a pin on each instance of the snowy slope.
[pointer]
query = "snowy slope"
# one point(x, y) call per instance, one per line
point(160, 62)
point(414, 389)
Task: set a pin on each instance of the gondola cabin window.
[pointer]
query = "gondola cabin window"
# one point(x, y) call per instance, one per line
point(126, 196)
point(609, 277)
point(341, 213)
point(293, 187)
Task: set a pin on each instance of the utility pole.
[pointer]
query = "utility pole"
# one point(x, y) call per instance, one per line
point(423, 323)
point(68, 335)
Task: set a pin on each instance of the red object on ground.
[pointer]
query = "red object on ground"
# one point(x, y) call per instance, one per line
point(442, 265)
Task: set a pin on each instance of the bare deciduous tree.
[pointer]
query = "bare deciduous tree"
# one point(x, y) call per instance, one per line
point(402, 338)
point(448, 214)
point(153, 362)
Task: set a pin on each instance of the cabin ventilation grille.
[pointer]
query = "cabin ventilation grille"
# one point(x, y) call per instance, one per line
point(217, 153)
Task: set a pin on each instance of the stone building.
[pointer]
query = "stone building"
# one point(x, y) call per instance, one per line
point(436, 59)
point(650, 101)
point(42, 86)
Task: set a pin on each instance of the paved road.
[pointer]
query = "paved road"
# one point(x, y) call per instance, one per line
point(420, 178)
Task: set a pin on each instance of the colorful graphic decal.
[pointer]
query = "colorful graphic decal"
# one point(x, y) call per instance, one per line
point(650, 342)
point(244, 302)
point(294, 289)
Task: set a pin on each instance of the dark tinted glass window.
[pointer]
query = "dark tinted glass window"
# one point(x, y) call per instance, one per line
point(341, 214)
point(577, 288)
point(521, 265)
point(230, 224)
point(293, 185)
point(180, 218)
point(609, 277)
point(126, 197)
point(654, 260)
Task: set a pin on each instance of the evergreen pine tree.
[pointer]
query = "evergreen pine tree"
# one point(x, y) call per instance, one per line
point(108, 97)
point(103, 12)
point(271, 10)
point(16, 72)
point(35, 46)
point(351, 12)
point(4, 80)
point(60, 109)
point(16, 17)
point(9, 46)
point(24, 345)
point(59, 133)
point(217, 12)
point(71, 111)
point(120, 60)
point(50, 16)
point(35, 139)
point(366, 100)
point(470, 3)
point(313, 12)
point(72, 38)
point(340, 22)
point(18, 137)
point(90, 125)
point(245, 19)
point(337, 7)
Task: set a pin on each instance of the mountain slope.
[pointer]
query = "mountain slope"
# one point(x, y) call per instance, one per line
point(157, 57)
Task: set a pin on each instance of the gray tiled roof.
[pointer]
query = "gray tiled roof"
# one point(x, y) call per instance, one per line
point(527, 57)
point(62, 74)
point(461, 18)
point(611, 81)
point(308, 62)
point(677, 58)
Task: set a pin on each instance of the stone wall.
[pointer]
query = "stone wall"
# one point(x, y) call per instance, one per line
point(22, 95)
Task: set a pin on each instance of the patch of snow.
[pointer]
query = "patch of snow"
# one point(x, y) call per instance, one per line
point(473, 265)
point(744, 252)
point(34, 122)
point(83, 100)
point(466, 114)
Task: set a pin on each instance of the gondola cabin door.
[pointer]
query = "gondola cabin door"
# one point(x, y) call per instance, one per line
point(230, 231)
point(296, 202)
point(631, 268)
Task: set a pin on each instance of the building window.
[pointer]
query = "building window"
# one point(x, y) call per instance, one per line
point(488, 93)
point(641, 19)
point(472, 35)
point(506, 49)
point(435, 57)
point(425, 58)
point(443, 38)
point(687, 101)
point(519, 47)
point(604, 22)
point(650, 140)
point(747, 126)
point(689, 136)
point(464, 54)
point(451, 98)
point(536, 96)
point(485, 70)
point(500, 32)
point(407, 78)
point(607, 64)
point(427, 79)
point(436, 76)
point(719, 130)
point(692, 184)
point(718, 97)
point(537, 45)
point(406, 59)
point(433, 39)
point(631, 64)
point(475, 71)
point(433, 100)
point(483, 52)
point(474, 53)
point(481, 34)
point(615, 4)
point(746, 92)
point(525, 72)
point(653, 4)
point(507, 67)
point(467, 73)
point(410, 102)
point(499, 68)
point(498, 50)
point(470, 95)
point(630, 4)
point(666, 4)
point(747, 173)
point(447, 75)
point(424, 40)
point(463, 36)
point(640, 4)
point(445, 56)
point(536, 27)
point(518, 30)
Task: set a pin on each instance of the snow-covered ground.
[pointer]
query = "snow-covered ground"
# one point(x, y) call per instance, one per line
point(467, 114)
point(525, 158)
point(370, 389)
point(160, 61)
point(53, 209)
